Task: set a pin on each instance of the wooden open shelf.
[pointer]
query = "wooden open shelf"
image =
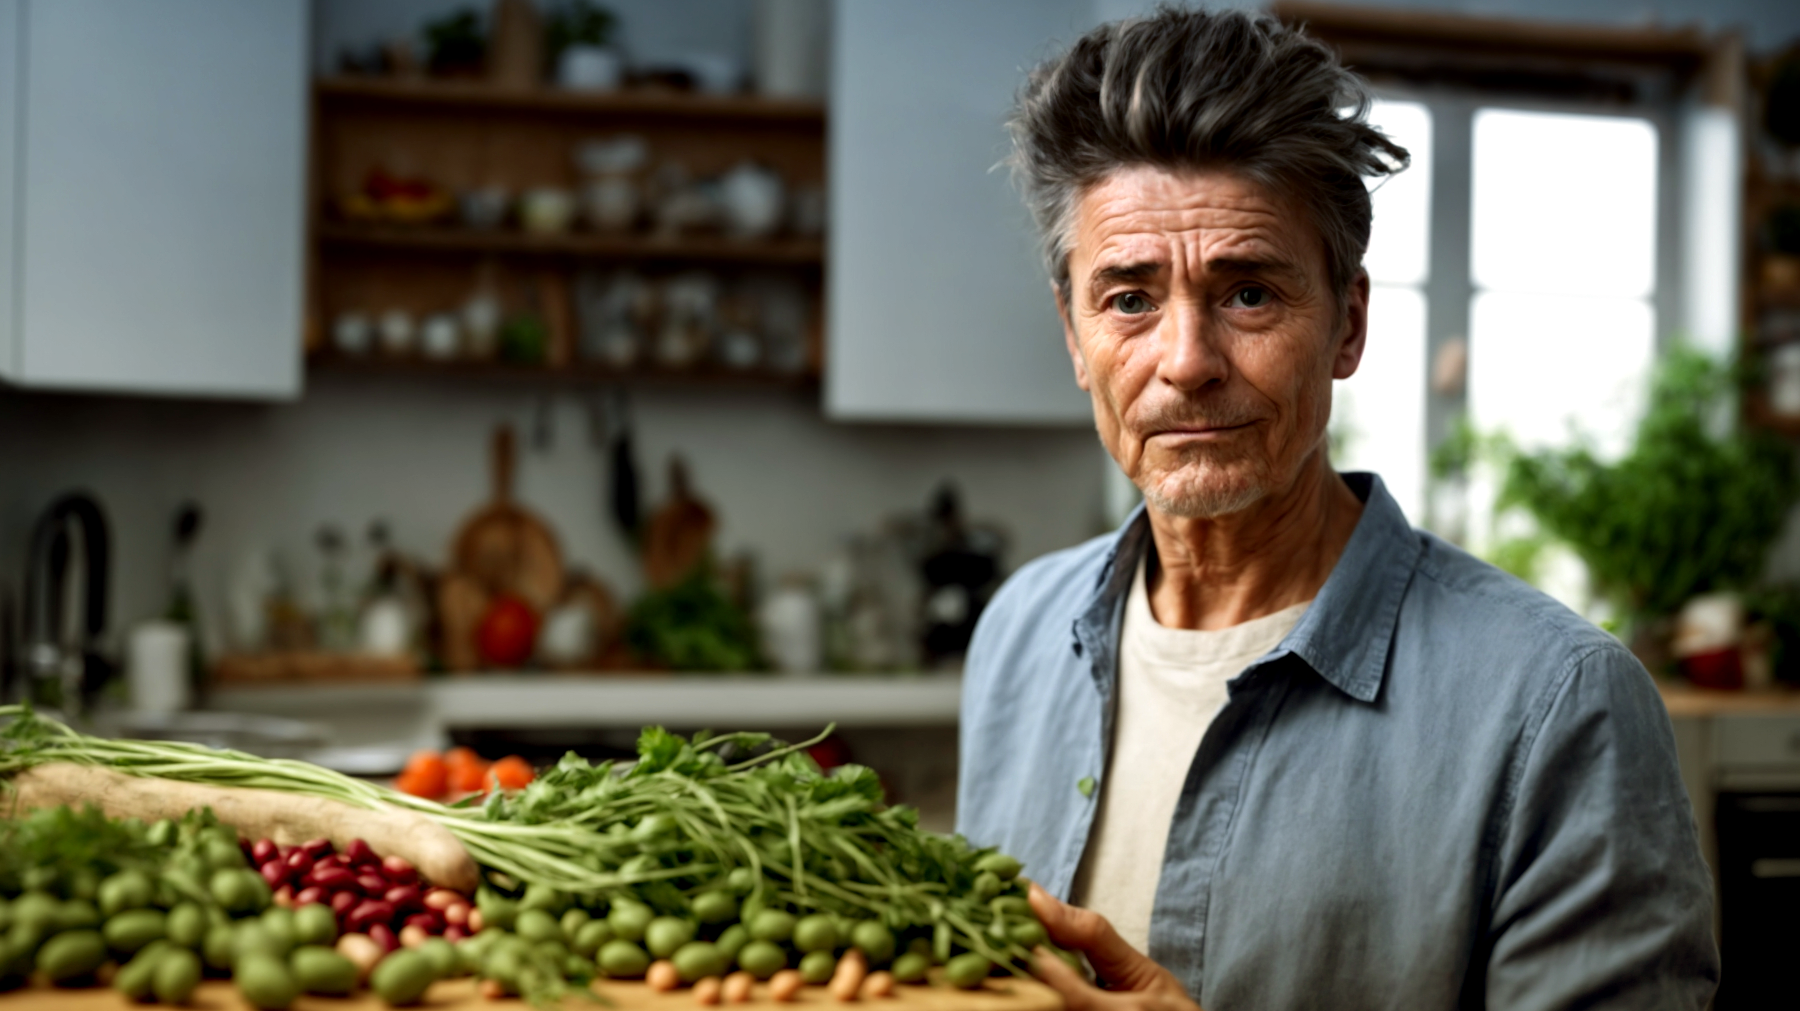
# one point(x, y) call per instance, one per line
point(478, 95)
point(450, 239)
point(464, 135)
point(376, 363)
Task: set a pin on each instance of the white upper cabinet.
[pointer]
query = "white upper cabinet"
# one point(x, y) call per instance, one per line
point(154, 221)
point(939, 310)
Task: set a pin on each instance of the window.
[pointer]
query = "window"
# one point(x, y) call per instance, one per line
point(1378, 415)
point(1547, 228)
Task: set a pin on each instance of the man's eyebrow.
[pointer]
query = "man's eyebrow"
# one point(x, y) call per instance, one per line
point(1126, 273)
point(1249, 265)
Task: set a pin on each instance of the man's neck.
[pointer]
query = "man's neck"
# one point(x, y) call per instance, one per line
point(1219, 572)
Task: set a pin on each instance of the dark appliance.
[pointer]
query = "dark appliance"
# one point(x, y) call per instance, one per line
point(1759, 898)
point(63, 617)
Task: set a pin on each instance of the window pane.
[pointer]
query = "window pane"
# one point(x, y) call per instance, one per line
point(1564, 204)
point(1378, 414)
point(1538, 363)
point(1399, 244)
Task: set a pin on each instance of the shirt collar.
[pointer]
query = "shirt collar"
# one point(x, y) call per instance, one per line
point(1344, 635)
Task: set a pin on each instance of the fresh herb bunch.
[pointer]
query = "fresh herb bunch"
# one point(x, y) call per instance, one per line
point(694, 816)
point(1685, 512)
point(692, 626)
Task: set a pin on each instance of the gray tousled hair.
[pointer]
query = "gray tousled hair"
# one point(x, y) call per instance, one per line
point(1190, 89)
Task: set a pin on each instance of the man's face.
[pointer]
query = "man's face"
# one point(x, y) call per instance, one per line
point(1201, 320)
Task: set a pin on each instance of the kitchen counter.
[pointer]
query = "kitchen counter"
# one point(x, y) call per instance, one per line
point(423, 713)
point(1686, 701)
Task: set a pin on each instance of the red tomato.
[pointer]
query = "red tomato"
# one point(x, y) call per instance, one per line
point(508, 632)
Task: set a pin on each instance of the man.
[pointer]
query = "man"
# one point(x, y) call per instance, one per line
point(1280, 749)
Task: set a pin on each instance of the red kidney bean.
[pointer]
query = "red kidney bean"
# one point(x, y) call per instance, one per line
point(426, 922)
point(316, 848)
point(369, 913)
point(454, 933)
point(398, 870)
point(335, 860)
point(297, 860)
point(275, 874)
point(383, 935)
point(359, 853)
point(405, 898)
point(329, 878)
point(373, 885)
point(262, 851)
point(309, 895)
point(457, 914)
point(342, 902)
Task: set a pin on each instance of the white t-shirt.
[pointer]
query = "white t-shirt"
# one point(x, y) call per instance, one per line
point(1171, 685)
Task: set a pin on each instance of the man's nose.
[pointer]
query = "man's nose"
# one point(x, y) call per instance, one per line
point(1190, 357)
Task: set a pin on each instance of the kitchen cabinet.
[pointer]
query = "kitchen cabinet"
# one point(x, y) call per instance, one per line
point(152, 158)
point(939, 310)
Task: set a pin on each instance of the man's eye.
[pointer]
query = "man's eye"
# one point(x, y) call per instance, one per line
point(1251, 298)
point(1132, 304)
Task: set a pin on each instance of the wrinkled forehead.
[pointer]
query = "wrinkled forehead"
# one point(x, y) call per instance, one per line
point(1143, 215)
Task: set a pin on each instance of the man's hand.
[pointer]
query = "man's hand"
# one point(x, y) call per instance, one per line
point(1132, 981)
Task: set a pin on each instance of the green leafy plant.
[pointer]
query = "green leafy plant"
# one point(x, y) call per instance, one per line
point(578, 23)
point(455, 43)
point(692, 626)
point(1688, 510)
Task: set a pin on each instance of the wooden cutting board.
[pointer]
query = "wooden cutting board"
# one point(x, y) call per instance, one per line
point(505, 547)
point(460, 995)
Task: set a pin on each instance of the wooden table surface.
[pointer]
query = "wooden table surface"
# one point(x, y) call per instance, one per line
point(999, 994)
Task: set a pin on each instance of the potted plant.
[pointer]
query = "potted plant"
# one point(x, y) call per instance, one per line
point(579, 38)
point(1691, 509)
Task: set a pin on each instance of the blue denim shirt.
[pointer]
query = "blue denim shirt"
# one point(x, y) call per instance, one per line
point(1443, 789)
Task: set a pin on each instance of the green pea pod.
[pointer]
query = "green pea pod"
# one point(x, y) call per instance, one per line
point(968, 970)
point(732, 940)
point(762, 959)
point(817, 966)
point(187, 924)
point(1001, 865)
point(911, 967)
point(132, 929)
point(318, 969)
point(71, 954)
point(402, 977)
point(592, 935)
point(265, 981)
point(666, 934)
point(538, 925)
point(621, 959)
point(715, 907)
point(940, 943)
point(177, 976)
point(136, 977)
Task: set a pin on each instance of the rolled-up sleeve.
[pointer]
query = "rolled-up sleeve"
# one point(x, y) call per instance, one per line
point(1602, 898)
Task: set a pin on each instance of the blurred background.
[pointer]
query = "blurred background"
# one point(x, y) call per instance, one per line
point(391, 374)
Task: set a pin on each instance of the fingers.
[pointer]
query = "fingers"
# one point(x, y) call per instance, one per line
point(1086, 931)
point(1077, 993)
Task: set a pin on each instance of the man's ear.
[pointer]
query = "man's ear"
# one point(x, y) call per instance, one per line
point(1356, 328)
point(1059, 292)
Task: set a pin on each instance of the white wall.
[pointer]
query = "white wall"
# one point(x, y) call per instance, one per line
point(414, 450)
